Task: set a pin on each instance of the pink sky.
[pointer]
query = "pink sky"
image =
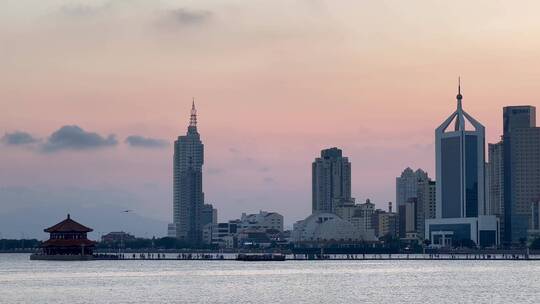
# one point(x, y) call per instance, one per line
point(274, 81)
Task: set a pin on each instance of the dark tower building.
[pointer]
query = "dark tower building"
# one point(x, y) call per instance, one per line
point(521, 182)
point(188, 196)
point(331, 181)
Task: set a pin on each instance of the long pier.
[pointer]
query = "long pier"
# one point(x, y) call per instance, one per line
point(324, 257)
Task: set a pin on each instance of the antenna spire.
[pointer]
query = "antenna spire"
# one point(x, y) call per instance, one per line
point(193, 118)
point(459, 96)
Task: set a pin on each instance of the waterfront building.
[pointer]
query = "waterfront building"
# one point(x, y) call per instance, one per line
point(254, 238)
point(222, 235)
point(495, 182)
point(360, 216)
point(363, 216)
point(188, 196)
point(322, 228)
point(534, 229)
point(482, 230)
point(208, 215)
point(262, 221)
point(347, 210)
point(521, 141)
point(426, 204)
point(67, 241)
point(331, 181)
point(460, 187)
point(250, 230)
point(407, 217)
point(407, 185)
point(385, 223)
point(117, 236)
point(171, 230)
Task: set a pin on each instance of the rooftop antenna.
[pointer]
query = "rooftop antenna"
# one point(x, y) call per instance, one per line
point(193, 119)
point(459, 96)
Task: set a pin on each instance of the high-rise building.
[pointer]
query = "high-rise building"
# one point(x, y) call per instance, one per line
point(460, 165)
point(407, 185)
point(413, 186)
point(331, 181)
point(426, 203)
point(188, 196)
point(495, 182)
point(521, 141)
point(460, 188)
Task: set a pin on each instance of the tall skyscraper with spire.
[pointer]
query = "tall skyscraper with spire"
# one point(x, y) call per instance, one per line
point(460, 158)
point(461, 211)
point(188, 196)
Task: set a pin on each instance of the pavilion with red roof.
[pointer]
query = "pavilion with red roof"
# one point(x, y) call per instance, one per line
point(68, 238)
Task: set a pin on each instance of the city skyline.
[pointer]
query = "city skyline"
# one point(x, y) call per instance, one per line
point(350, 91)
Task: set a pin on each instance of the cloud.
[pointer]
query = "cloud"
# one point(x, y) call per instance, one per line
point(80, 10)
point(75, 138)
point(18, 138)
point(187, 17)
point(138, 141)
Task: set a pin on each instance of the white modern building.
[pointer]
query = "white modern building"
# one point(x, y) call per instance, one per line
point(324, 227)
point(360, 216)
point(254, 228)
point(327, 228)
point(484, 230)
point(224, 235)
point(261, 221)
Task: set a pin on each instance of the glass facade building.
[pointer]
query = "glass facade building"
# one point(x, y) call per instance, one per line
point(331, 181)
point(461, 210)
point(521, 182)
point(188, 196)
point(460, 158)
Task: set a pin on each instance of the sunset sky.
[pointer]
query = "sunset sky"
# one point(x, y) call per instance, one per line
point(274, 83)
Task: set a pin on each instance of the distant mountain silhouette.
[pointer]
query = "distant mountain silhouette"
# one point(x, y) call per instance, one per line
point(27, 212)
